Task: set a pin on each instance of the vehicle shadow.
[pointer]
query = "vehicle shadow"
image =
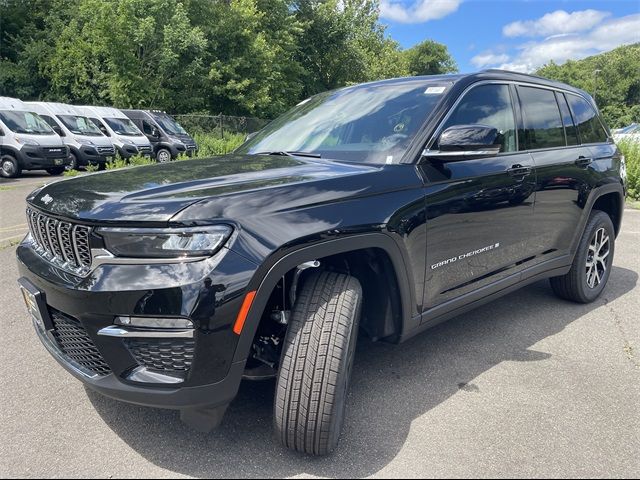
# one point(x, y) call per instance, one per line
point(392, 386)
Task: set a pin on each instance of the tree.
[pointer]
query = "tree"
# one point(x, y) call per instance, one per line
point(429, 58)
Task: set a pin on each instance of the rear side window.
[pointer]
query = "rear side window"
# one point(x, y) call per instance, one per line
point(569, 127)
point(542, 120)
point(586, 118)
point(488, 105)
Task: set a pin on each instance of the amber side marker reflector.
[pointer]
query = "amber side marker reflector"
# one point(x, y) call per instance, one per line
point(244, 311)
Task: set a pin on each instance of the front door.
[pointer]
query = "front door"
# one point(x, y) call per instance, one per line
point(479, 211)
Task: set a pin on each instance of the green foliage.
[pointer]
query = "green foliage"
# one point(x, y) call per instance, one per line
point(135, 161)
point(613, 78)
point(237, 57)
point(631, 151)
point(211, 145)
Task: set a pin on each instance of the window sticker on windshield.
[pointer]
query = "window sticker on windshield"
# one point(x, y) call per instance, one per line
point(435, 90)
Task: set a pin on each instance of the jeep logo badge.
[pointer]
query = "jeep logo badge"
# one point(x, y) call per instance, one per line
point(47, 199)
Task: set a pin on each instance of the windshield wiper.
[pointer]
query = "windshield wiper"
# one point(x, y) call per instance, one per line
point(291, 153)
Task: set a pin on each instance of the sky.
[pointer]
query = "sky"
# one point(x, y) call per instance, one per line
point(519, 35)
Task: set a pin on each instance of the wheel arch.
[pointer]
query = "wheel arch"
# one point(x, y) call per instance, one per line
point(396, 301)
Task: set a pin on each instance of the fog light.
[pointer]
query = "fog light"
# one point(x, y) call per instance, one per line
point(153, 322)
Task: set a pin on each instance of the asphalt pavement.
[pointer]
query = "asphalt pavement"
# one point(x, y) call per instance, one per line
point(526, 386)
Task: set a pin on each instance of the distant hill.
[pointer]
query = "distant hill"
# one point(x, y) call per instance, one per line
point(616, 85)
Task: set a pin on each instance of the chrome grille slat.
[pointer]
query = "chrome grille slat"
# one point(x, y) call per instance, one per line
point(62, 243)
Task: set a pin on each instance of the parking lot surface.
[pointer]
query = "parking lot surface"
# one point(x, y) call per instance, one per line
point(528, 385)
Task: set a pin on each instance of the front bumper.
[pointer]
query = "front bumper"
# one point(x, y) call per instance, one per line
point(92, 155)
point(90, 304)
point(33, 157)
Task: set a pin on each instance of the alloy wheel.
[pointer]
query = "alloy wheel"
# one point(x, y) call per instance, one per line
point(597, 258)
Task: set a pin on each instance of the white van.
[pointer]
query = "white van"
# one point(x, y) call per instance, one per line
point(125, 136)
point(27, 142)
point(87, 144)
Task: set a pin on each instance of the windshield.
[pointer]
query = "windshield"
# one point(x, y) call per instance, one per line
point(123, 126)
point(80, 125)
point(168, 124)
point(367, 123)
point(25, 122)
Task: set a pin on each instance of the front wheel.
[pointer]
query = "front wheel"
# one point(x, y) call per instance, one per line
point(55, 171)
point(316, 363)
point(163, 155)
point(592, 264)
point(9, 167)
point(73, 162)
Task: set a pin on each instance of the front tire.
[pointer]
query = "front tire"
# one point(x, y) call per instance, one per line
point(163, 155)
point(9, 167)
point(73, 162)
point(592, 263)
point(55, 171)
point(316, 363)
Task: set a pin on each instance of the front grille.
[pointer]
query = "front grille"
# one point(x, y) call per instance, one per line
point(76, 345)
point(167, 356)
point(106, 150)
point(144, 149)
point(62, 243)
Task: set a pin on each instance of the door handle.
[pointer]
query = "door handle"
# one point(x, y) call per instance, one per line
point(519, 171)
point(583, 162)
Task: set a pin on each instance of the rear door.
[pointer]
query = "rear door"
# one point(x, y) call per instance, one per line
point(479, 211)
point(562, 169)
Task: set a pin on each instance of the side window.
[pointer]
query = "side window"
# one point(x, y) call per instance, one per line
point(52, 123)
point(147, 128)
point(586, 119)
point(569, 127)
point(542, 121)
point(488, 105)
point(100, 125)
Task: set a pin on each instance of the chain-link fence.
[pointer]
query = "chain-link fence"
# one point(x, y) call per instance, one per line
point(219, 125)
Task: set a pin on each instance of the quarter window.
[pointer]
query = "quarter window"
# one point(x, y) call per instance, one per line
point(542, 120)
point(586, 119)
point(569, 127)
point(488, 105)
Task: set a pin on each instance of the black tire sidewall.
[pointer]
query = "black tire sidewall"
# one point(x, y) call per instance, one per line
point(598, 220)
point(73, 162)
point(168, 153)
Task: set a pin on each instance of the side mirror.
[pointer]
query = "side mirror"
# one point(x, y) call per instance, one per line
point(58, 130)
point(1, 133)
point(462, 142)
point(155, 133)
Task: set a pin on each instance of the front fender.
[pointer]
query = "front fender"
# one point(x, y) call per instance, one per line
point(271, 271)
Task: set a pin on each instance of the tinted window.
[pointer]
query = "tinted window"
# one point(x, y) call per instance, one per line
point(569, 127)
point(52, 123)
point(147, 128)
point(585, 116)
point(542, 121)
point(488, 105)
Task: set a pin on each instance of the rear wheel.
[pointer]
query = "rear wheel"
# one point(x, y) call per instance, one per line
point(592, 264)
point(316, 363)
point(9, 166)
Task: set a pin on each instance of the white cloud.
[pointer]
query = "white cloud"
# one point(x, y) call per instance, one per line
point(419, 11)
point(562, 47)
point(554, 23)
point(487, 58)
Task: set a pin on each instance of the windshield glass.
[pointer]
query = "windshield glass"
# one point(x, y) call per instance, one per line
point(25, 122)
point(123, 126)
point(168, 124)
point(80, 125)
point(367, 123)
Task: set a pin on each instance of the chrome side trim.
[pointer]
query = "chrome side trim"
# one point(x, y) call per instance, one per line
point(67, 362)
point(120, 332)
point(104, 257)
point(144, 375)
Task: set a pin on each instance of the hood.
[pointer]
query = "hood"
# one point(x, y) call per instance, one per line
point(53, 140)
point(139, 140)
point(157, 193)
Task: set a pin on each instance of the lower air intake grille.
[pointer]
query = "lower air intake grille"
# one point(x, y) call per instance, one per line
point(172, 355)
point(76, 345)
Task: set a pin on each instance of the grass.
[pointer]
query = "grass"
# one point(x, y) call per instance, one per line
point(5, 188)
point(631, 152)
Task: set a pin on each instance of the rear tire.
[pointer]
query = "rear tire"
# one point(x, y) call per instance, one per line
point(592, 263)
point(9, 166)
point(316, 363)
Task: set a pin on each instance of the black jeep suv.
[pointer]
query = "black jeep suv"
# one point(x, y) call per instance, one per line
point(382, 208)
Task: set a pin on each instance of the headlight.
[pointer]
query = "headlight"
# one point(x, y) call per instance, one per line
point(165, 242)
point(84, 141)
point(26, 141)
